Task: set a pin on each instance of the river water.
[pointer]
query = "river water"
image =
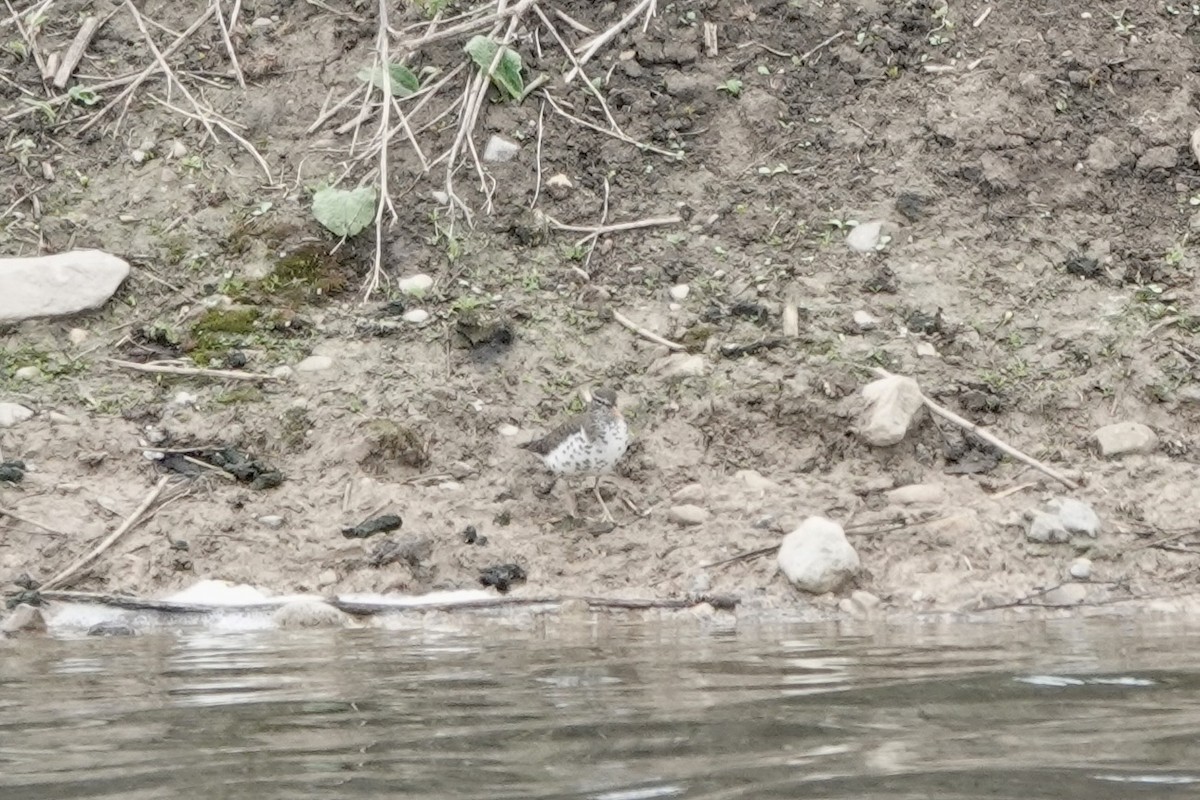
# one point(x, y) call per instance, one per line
point(607, 710)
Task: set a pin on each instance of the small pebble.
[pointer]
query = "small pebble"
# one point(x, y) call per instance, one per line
point(416, 316)
point(314, 364)
point(184, 399)
point(262, 22)
point(559, 186)
point(415, 284)
point(327, 578)
point(1125, 438)
point(864, 321)
point(272, 521)
point(282, 372)
point(679, 292)
point(1076, 516)
point(77, 336)
point(1081, 569)
point(27, 374)
point(865, 237)
point(178, 149)
point(138, 156)
point(687, 514)
point(500, 149)
point(508, 430)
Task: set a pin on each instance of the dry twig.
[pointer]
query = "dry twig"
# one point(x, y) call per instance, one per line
point(979, 432)
point(125, 526)
point(4, 512)
point(175, 369)
point(646, 334)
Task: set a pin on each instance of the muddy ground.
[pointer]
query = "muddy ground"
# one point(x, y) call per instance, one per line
point(1040, 195)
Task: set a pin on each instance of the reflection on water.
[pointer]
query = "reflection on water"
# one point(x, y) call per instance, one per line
point(609, 711)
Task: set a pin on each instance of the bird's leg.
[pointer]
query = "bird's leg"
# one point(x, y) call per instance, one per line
point(608, 517)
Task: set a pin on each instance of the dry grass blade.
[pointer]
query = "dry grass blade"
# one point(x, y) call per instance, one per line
point(229, 48)
point(175, 369)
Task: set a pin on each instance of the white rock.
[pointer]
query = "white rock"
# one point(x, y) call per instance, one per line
point(1125, 438)
point(178, 149)
point(893, 403)
point(926, 350)
point(282, 372)
point(51, 286)
point(29, 373)
point(1081, 569)
point(865, 236)
point(416, 316)
point(559, 186)
point(1076, 516)
point(272, 521)
point(500, 149)
point(817, 557)
point(864, 321)
point(310, 613)
point(754, 480)
point(262, 22)
point(860, 604)
point(508, 430)
point(917, 494)
point(13, 414)
point(687, 514)
point(415, 284)
point(327, 578)
point(692, 493)
point(1046, 528)
point(679, 292)
point(315, 364)
point(138, 156)
point(678, 366)
point(77, 336)
point(183, 398)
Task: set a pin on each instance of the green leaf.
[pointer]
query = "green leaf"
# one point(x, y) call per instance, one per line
point(344, 212)
point(83, 95)
point(398, 79)
point(507, 76)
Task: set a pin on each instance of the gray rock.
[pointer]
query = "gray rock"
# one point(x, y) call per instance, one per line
point(272, 521)
point(24, 619)
point(1069, 594)
point(1046, 528)
point(309, 613)
point(1125, 438)
point(1076, 516)
point(687, 514)
point(1104, 155)
point(13, 414)
point(1158, 158)
point(58, 285)
point(865, 237)
point(678, 366)
point(817, 557)
point(500, 149)
point(893, 403)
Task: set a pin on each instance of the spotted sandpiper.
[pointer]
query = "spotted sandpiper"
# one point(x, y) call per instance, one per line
point(590, 443)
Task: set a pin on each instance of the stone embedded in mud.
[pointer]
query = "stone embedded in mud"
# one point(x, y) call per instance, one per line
point(1105, 155)
point(310, 613)
point(1081, 569)
point(860, 604)
point(894, 402)
point(866, 237)
point(679, 292)
point(1069, 594)
point(1125, 438)
point(1076, 516)
point(1046, 528)
point(416, 316)
point(691, 493)
point(678, 366)
point(1158, 158)
point(559, 186)
point(13, 414)
point(500, 149)
point(917, 494)
point(24, 619)
point(688, 514)
point(57, 285)
point(315, 364)
point(864, 321)
point(817, 557)
point(755, 481)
